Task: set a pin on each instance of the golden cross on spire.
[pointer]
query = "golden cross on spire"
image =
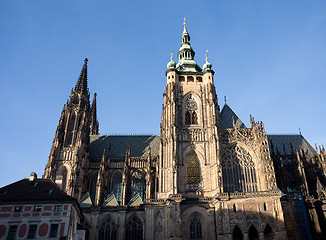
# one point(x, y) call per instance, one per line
point(171, 55)
point(206, 55)
point(184, 22)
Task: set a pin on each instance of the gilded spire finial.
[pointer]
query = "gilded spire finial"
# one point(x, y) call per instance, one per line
point(206, 56)
point(171, 56)
point(184, 22)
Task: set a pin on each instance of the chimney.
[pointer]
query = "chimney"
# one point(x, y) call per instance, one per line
point(33, 176)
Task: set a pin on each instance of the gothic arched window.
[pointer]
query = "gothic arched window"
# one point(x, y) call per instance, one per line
point(135, 229)
point(115, 185)
point(138, 184)
point(187, 118)
point(195, 229)
point(194, 118)
point(108, 230)
point(238, 170)
point(193, 169)
point(64, 179)
point(191, 116)
point(253, 233)
point(268, 233)
point(237, 234)
point(70, 129)
point(92, 184)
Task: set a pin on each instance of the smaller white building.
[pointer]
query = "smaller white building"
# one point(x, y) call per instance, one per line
point(37, 209)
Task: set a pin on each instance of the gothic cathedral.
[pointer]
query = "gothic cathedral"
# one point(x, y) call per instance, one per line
point(206, 176)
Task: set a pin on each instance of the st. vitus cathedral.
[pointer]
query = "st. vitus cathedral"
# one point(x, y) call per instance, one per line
point(206, 176)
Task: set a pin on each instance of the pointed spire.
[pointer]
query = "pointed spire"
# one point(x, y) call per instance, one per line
point(186, 54)
point(81, 85)
point(94, 123)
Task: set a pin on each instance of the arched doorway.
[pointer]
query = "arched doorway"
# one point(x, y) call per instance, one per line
point(237, 234)
point(268, 233)
point(253, 233)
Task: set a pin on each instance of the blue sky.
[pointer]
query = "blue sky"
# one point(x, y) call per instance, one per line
point(269, 59)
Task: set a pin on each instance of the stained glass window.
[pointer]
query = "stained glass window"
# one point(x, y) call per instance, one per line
point(193, 169)
point(238, 170)
point(115, 185)
point(138, 184)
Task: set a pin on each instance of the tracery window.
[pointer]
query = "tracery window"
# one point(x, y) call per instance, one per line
point(135, 229)
point(115, 185)
point(193, 169)
point(195, 229)
point(108, 229)
point(138, 184)
point(191, 109)
point(238, 170)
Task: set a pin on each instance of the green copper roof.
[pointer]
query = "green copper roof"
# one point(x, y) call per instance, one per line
point(186, 55)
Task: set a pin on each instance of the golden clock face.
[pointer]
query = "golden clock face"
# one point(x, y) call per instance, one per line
point(191, 105)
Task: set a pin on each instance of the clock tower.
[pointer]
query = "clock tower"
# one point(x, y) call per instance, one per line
point(190, 123)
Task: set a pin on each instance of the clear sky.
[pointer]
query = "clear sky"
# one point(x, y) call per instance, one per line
point(269, 59)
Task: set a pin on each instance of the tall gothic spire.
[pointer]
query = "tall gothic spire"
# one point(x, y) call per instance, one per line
point(186, 54)
point(94, 123)
point(81, 85)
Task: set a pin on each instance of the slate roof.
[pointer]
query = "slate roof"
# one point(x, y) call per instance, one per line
point(118, 145)
point(38, 190)
point(297, 141)
point(227, 120)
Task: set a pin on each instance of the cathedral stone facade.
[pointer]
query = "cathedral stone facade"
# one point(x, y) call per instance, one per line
point(206, 176)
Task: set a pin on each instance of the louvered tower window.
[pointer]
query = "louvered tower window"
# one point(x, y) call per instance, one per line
point(64, 179)
point(70, 129)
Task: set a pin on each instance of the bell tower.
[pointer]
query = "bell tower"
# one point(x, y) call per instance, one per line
point(190, 123)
